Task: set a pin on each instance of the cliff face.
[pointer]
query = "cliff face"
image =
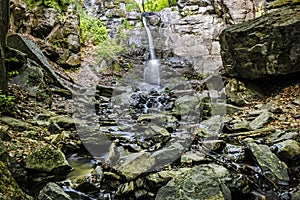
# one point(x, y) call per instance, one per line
point(56, 32)
point(269, 45)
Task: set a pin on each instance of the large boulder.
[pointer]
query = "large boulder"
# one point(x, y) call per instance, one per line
point(201, 182)
point(269, 45)
point(47, 160)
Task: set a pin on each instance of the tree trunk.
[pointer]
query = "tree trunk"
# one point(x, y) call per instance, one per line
point(4, 21)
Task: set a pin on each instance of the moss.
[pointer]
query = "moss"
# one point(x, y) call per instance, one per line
point(9, 189)
point(281, 3)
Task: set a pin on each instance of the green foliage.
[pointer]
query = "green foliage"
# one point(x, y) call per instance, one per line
point(6, 103)
point(53, 4)
point(132, 5)
point(157, 5)
point(59, 5)
point(108, 49)
point(12, 73)
point(93, 30)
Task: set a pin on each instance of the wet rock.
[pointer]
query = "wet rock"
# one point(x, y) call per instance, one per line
point(261, 120)
point(157, 134)
point(235, 153)
point(9, 188)
point(154, 118)
point(242, 42)
point(271, 166)
point(63, 121)
point(98, 173)
point(47, 160)
point(15, 124)
point(167, 154)
point(287, 150)
point(211, 127)
point(53, 191)
point(125, 188)
point(135, 164)
point(193, 157)
point(164, 176)
point(201, 182)
point(214, 145)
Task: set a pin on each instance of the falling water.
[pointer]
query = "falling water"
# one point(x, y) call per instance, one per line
point(152, 68)
point(150, 39)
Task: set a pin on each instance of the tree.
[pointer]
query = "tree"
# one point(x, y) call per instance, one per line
point(4, 23)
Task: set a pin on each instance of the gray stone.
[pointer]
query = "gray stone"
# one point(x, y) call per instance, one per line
point(44, 22)
point(165, 175)
point(63, 121)
point(240, 126)
point(52, 191)
point(15, 124)
point(33, 78)
point(272, 168)
point(157, 134)
point(187, 104)
point(201, 182)
point(261, 120)
point(254, 49)
point(210, 128)
point(167, 154)
point(192, 157)
point(287, 150)
point(135, 164)
point(47, 160)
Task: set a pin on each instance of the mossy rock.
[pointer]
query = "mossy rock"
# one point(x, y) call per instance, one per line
point(48, 160)
point(281, 3)
point(9, 189)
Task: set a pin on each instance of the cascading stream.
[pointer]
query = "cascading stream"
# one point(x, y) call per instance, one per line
point(152, 68)
point(150, 39)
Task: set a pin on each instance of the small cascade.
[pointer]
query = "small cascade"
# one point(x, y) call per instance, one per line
point(152, 67)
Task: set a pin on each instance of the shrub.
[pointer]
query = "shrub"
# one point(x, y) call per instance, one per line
point(108, 50)
point(93, 30)
point(157, 5)
point(6, 103)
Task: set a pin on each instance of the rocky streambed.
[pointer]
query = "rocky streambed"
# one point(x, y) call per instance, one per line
point(175, 142)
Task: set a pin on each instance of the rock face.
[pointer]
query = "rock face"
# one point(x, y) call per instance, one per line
point(265, 46)
point(201, 182)
point(57, 33)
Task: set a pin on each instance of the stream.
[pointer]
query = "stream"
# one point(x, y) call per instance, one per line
point(156, 123)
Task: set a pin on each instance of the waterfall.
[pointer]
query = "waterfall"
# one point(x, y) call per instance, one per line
point(152, 67)
point(150, 39)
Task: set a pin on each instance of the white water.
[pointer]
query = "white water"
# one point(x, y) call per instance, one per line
point(150, 39)
point(152, 67)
